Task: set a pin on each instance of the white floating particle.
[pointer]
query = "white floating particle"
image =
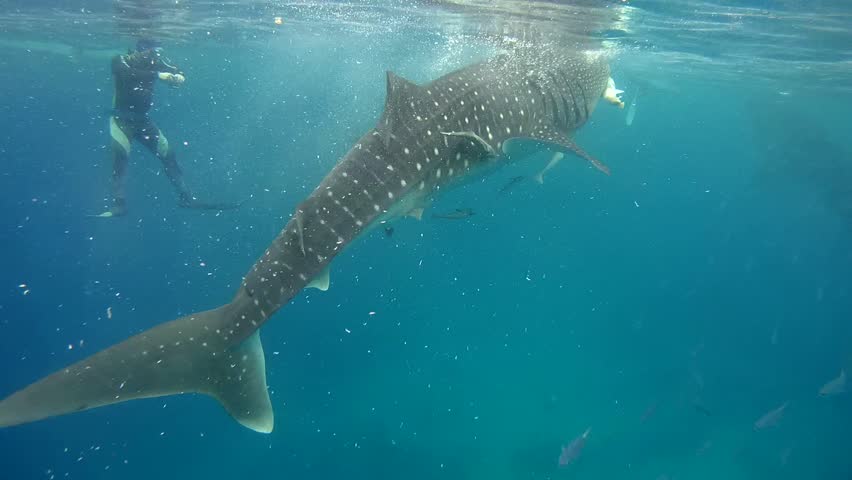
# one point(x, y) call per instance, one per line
point(347, 330)
point(109, 313)
point(636, 203)
point(371, 313)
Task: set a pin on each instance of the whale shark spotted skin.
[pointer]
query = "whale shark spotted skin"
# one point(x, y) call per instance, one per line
point(427, 138)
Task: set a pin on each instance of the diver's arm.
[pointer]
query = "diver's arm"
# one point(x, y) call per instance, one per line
point(165, 66)
point(125, 67)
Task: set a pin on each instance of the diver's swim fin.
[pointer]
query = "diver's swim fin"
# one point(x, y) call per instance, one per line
point(220, 206)
point(111, 213)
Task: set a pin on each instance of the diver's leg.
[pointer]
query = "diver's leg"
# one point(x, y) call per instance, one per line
point(157, 143)
point(154, 139)
point(120, 153)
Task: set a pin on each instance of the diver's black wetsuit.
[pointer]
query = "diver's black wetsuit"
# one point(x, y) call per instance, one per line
point(134, 76)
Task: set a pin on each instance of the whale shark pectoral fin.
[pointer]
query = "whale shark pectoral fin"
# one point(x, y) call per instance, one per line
point(585, 156)
point(553, 140)
point(241, 386)
point(322, 280)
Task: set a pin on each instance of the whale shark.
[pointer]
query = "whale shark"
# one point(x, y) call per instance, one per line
point(428, 138)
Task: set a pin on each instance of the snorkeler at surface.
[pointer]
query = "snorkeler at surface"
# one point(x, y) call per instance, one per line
point(134, 74)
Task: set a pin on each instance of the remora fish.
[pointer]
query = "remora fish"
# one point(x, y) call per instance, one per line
point(427, 137)
point(771, 418)
point(457, 214)
point(510, 184)
point(834, 387)
point(573, 450)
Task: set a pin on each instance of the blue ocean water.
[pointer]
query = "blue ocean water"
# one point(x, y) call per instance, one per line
point(667, 307)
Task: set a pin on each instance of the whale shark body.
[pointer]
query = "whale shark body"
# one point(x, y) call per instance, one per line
point(427, 138)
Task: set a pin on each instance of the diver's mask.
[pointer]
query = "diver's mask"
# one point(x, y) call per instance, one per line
point(151, 57)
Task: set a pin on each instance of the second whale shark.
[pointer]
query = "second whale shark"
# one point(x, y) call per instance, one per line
point(428, 138)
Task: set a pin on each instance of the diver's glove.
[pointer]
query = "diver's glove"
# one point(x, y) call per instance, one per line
point(173, 78)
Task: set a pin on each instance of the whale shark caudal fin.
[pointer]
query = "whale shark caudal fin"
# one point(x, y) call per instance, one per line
point(187, 355)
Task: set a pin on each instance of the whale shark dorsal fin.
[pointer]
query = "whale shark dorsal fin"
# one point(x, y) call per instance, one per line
point(322, 280)
point(400, 88)
point(401, 101)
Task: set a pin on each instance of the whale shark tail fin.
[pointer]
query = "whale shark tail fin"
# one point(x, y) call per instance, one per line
point(191, 354)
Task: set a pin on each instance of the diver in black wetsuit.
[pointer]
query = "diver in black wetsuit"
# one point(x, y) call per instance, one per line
point(134, 74)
